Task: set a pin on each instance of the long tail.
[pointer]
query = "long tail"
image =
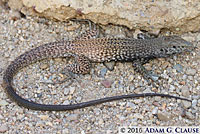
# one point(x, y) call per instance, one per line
point(41, 53)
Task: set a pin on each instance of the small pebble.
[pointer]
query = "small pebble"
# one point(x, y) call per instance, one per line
point(43, 117)
point(106, 83)
point(72, 89)
point(178, 67)
point(189, 115)
point(157, 98)
point(138, 116)
point(138, 101)
point(66, 91)
point(185, 91)
point(101, 121)
point(132, 105)
point(196, 97)
point(103, 72)
point(3, 103)
point(65, 131)
point(3, 128)
point(155, 111)
point(66, 102)
point(44, 66)
point(155, 103)
point(172, 88)
point(182, 83)
point(165, 65)
point(163, 116)
point(186, 104)
point(72, 117)
point(49, 123)
point(154, 77)
point(131, 78)
point(14, 15)
point(78, 99)
point(191, 72)
point(110, 65)
point(194, 103)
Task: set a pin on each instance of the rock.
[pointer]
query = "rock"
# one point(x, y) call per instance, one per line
point(163, 116)
point(131, 78)
point(66, 91)
point(151, 16)
point(189, 115)
point(3, 128)
point(172, 88)
point(157, 98)
point(3, 103)
point(43, 117)
point(178, 68)
point(15, 4)
point(44, 66)
point(110, 65)
point(155, 103)
point(138, 116)
point(138, 101)
point(185, 91)
point(72, 117)
point(155, 111)
point(165, 65)
point(100, 121)
point(154, 77)
point(72, 89)
point(65, 131)
point(133, 106)
point(14, 15)
point(78, 99)
point(106, 83)
point(103, 72)
point(66, 102)
point(186, 104)
point(191, 72)
point(194, 103)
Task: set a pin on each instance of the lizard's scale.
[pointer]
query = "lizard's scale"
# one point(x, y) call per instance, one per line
point(94, 50)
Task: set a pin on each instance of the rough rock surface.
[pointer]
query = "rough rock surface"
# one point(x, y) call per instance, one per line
point(153, 16)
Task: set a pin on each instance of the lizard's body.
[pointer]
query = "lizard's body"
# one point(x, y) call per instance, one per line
point(87, 50)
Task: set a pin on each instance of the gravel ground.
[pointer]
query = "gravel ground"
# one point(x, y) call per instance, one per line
point(181, 77)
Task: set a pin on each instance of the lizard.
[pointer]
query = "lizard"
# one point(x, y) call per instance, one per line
point(88, 48)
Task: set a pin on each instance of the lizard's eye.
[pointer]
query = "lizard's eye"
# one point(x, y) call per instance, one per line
point(174, 47)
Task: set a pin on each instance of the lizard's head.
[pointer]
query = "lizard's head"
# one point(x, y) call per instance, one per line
point(173, 45)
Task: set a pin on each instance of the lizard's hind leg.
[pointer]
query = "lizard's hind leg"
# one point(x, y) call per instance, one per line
point(81, 65)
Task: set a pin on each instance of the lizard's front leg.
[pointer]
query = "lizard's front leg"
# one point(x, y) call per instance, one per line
point(138, 65)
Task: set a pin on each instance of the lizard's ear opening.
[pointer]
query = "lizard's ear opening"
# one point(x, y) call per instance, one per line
point(161, 50)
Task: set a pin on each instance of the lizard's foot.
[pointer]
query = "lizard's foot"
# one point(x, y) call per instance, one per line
point(70, 77)
point(147, 75)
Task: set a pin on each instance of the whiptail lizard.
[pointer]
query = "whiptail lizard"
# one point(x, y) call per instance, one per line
point(86, 49)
